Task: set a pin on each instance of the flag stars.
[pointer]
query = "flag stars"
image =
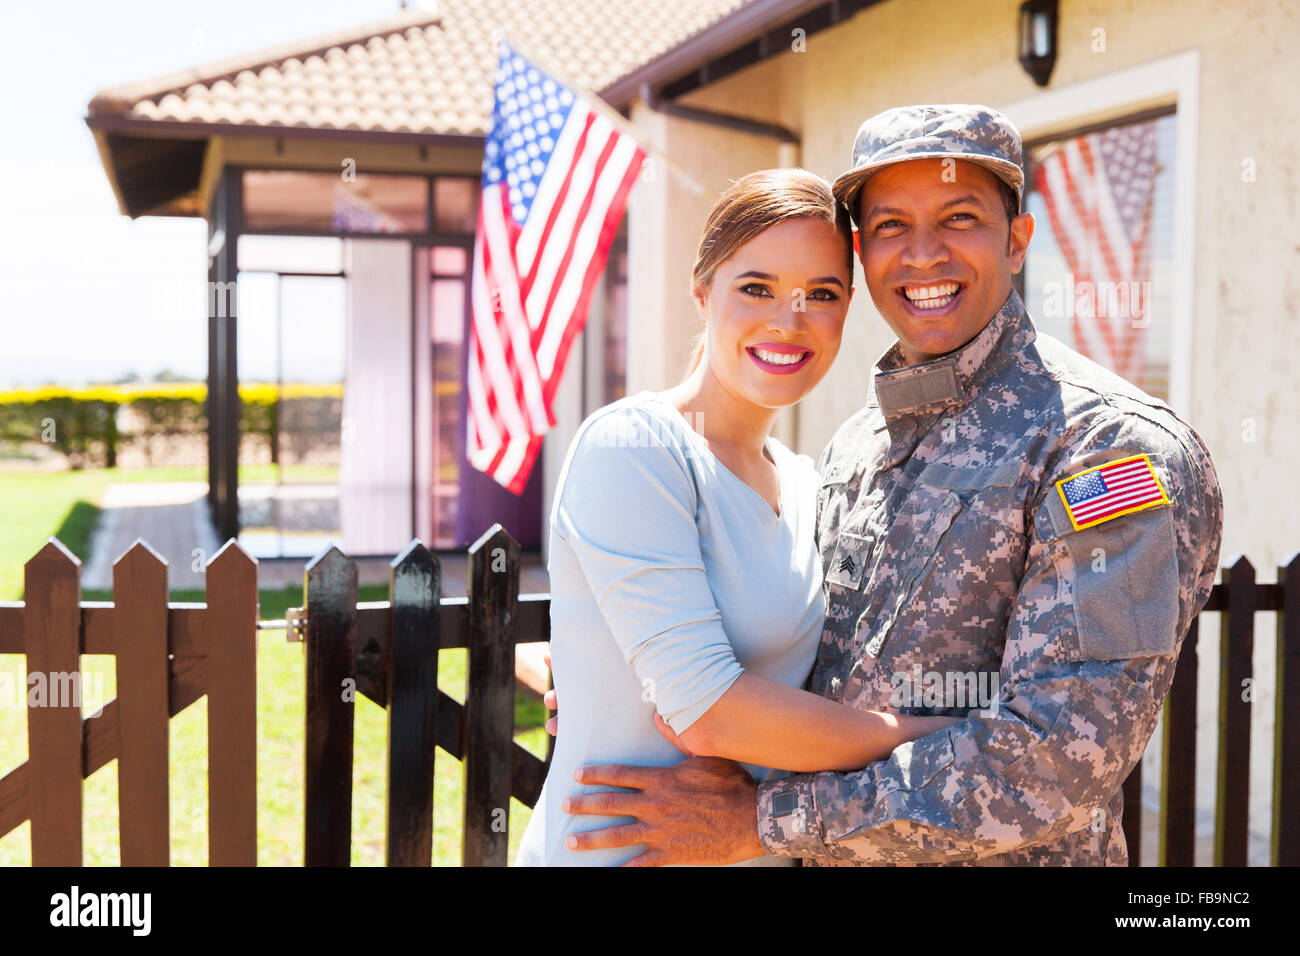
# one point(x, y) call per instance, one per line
point(531, 109)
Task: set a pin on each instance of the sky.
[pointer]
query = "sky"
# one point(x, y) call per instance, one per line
point(89, 294)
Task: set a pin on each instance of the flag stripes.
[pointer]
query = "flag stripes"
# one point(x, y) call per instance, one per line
point(556, 178)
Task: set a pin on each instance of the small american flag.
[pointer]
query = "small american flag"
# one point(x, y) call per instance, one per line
point(1099, 190)
point(1110, 490)
point(556, 176)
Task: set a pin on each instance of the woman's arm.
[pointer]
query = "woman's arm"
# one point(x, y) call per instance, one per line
point(626, 506)
point(765, 722)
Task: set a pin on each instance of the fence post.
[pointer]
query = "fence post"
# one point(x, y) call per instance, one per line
point(143, 720)
point(411, 668)
point(490, 698)
point(1236, 645)
point(230, 644)
point(1285, 850)
point(1178, 759)
point(1132, 819)
point(331, 601)
point(52, 633)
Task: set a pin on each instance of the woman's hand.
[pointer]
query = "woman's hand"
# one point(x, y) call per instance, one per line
point(661, 725)
point(550, 702)
point(553, 723)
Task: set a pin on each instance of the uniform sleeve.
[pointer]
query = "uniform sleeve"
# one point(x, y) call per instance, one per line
point(1092, 641)
point(627, 509)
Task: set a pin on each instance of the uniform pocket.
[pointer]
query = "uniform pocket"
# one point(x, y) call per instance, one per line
point(1125, 579)
point(960, 555)
point(910, 554)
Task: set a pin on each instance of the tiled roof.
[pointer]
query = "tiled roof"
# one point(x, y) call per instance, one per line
point(417, 72)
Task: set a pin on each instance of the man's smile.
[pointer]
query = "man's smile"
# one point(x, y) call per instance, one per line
point(931, 298)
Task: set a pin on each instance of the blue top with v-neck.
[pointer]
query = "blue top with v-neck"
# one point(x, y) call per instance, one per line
point(670, 576)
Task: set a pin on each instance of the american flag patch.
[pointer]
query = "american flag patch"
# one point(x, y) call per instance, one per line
point(1110, 490)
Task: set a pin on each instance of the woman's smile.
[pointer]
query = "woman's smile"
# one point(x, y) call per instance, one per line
point(779, 359)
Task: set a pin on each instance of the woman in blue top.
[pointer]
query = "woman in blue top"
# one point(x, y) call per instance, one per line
point(685, 578)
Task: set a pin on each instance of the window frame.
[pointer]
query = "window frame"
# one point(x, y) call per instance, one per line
point(1157, 88)
point(432, 235)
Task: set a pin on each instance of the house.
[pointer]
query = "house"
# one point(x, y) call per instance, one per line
point(344, 170)
point(723, 88)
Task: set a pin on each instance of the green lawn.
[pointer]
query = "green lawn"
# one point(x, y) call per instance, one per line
point(64, 504)
point(37, 506)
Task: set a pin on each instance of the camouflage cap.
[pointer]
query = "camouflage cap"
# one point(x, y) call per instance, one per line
point(977, 134)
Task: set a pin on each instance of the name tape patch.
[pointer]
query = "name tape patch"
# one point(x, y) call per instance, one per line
point(1108, 491)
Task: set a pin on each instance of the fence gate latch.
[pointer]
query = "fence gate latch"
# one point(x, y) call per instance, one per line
point(295, 631)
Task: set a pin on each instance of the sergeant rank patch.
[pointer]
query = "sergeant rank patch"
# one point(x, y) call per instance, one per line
point(1110, 490)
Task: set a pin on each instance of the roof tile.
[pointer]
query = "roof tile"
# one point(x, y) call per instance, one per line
point(420, 73)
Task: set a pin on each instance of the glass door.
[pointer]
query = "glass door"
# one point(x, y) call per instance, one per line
point(464, 502)
point(291, 364)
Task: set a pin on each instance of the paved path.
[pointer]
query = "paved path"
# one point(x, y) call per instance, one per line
point(172, 517)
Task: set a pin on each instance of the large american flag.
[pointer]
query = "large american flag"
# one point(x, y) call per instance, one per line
point(1098, 189)
point(556, 176)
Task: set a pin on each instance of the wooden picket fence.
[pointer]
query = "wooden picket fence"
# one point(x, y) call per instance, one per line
point(169, 655)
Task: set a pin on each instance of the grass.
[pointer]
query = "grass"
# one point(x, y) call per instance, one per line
point(37, 506)
point(65, 504)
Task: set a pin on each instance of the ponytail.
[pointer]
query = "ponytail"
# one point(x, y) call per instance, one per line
point(697, 354)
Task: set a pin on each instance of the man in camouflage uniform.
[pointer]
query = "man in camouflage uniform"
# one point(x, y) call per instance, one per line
point(1009, 532)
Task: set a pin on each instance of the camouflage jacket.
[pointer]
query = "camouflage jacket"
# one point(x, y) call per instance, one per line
point(962, 580)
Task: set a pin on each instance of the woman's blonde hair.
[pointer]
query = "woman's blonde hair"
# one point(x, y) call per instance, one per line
point(754, 203)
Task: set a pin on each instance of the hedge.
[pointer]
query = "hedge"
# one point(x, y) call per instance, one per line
point(82, 422)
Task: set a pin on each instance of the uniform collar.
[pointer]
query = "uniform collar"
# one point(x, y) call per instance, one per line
point(901, 389)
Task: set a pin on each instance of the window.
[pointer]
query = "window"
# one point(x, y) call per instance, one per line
point(277, 199)
point(1099, 275)
point(455, 204)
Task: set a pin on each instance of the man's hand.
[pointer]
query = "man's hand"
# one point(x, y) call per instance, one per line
point(702, 812)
